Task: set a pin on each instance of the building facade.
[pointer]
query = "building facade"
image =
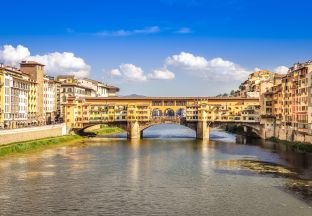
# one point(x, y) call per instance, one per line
point(50, 101)
point(14, 97)
point(72, 87)
point(28, 97)
point(257, 83)
point(287, 105)
point(82, 111)
point(35, 71)
point(99, 89)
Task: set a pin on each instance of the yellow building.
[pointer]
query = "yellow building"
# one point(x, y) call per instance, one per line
point(35, 71)
point(91, 110)
point(32, 103)
point(256, 84)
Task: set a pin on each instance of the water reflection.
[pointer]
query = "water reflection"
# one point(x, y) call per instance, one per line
point(257, 167)
point(301, 162)
point(175, 175)
point(135, 162)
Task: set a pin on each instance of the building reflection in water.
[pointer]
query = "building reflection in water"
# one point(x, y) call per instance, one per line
point(206, 155)
point(296, 160)
point(134, 162)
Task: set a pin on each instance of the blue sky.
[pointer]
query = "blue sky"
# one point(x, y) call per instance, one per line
point(164, 47)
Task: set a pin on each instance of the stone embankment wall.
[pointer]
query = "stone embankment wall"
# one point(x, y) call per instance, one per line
point(286, 133)
point(31, 133)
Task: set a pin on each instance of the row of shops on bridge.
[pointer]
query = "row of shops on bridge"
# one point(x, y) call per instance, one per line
point(81, 111)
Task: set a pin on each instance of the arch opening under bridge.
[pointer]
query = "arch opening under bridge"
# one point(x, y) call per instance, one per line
point(201, 130)
point(167, 130)
point(247, 128)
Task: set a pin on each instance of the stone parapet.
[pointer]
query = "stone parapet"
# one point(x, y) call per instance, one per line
point(31, 133)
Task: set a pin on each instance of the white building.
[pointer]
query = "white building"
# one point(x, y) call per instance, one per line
point(69, 86)
point(16, 87)
point(100, 89)
point(50, 96)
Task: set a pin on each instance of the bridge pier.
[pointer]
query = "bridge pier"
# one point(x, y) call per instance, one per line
point(202, 130)
point(133, 130)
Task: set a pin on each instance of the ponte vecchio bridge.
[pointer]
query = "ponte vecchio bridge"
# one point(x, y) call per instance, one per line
point(135, 114)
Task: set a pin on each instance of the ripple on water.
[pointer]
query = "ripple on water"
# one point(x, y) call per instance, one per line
point(151, 177)
point(301, 187)
point(33, 174)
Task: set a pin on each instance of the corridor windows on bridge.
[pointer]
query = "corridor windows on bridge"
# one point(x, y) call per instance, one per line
point(169, 103)
point(181, 103)
point(157, 103)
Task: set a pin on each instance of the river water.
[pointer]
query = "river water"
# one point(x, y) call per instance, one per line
point(166, 173)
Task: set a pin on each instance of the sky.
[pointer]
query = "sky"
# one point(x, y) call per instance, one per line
point(160, 47)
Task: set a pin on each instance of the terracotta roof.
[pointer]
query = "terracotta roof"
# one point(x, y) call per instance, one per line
point(112, 87)
point(65, 76)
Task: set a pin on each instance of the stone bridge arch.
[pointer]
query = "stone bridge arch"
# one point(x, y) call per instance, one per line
point(248, 127)
point(180, 122)
point(253, 128)
point(81, 131)
point(135, 129)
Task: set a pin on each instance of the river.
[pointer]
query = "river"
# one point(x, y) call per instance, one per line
point(166, 173)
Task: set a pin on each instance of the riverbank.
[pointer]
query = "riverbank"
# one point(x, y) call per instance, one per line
point(8, 136)
point(104, 130)
point(21, 147)
point(295, 146)
point(108, 131)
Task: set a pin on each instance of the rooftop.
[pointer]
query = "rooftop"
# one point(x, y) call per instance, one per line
point(65, 76)
point(31, 63)
point(173, 98)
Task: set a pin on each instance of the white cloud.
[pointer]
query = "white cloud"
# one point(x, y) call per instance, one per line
point(214, 69)
point(281, 69)
point(13, 55)
point(163, 74)
point(129, 72)
point(140, 31)
point(60, 63)
point(115, 72)
point(187, 61)
point(55, 63)
point(184, 30)
point(123, 32)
